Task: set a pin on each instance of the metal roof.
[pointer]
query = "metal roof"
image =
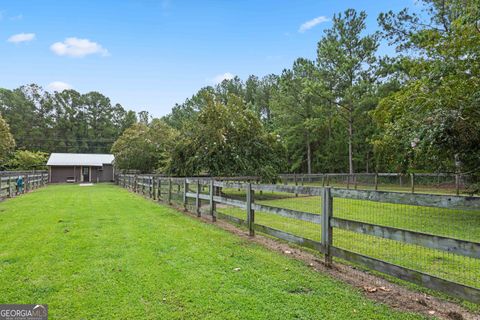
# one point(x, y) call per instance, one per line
point(79, 159)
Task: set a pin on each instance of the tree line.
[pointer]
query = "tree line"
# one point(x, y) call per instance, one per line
point(349, 110)
point(41, 122)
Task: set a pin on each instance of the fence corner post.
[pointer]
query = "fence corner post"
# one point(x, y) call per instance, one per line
point(212, 202)
point(250, 211)
point(376, 181)
point(197, 199)
point(327, 213)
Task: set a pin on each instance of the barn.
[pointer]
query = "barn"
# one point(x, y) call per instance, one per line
point(80, 167)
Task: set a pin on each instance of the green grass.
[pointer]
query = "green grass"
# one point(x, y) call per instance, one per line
point(100, 252)
point(445, 222)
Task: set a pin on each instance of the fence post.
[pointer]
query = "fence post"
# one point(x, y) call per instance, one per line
point(355, 181)
point(197, 199)
point(327, 235)
point(250, 211)
point(159, 188)
point(10, 189)
point(412, 182)
point(170, 191)
point(212, 203)
point(457, 184)
point(185, 190)
point(154, 191)
point(296, 183)
point(135, 187)
point(376, 181)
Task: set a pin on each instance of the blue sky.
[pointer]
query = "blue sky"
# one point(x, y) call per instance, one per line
point(148, 55)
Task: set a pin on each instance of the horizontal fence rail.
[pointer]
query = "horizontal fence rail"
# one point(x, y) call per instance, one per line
point(348, 224)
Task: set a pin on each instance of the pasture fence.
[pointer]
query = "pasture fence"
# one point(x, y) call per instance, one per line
point(449, 183)
point(431, 240)
point(31, 181)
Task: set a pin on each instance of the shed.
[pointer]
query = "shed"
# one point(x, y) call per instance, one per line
point(80, 167)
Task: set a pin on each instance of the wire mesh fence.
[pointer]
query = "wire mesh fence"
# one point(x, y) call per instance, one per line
point(441, 183)
point(432, 240)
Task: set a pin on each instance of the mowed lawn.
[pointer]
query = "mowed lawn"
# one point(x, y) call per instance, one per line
point(102, 253)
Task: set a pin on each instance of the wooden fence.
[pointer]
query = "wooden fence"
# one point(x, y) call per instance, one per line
point(411, 182)
point(207, 194)
point(31, 181)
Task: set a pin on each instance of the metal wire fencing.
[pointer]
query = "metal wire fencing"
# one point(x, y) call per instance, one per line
point(432, 240)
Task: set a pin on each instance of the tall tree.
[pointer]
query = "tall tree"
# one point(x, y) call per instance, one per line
point(226, 139)
point(64, 121)
point(145, 148)
point(347, 60)
point(296, 108)
point(432, 121)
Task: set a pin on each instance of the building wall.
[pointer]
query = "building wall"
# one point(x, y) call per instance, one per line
point(107, 173)
point(60, 174)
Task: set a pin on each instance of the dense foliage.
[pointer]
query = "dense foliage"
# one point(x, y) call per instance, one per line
point(349, 110)
point(7, 143)
point(64, 121)
point(145, 147)
point(28, 160)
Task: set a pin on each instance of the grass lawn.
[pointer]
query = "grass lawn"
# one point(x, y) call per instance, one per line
point(101, 252)
point(458, 224)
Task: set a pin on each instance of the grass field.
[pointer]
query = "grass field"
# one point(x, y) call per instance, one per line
point(101, 252)
point(444, 222)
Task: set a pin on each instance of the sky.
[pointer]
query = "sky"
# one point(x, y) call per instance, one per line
point(151, 54)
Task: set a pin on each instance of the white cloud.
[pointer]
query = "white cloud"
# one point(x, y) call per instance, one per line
point(75, 47)
point(219, 78)
point(58, 86)
point(21, 37)
point(312, 23)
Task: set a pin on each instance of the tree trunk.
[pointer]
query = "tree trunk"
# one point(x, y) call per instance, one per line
point(367, 167)
point(350, 138)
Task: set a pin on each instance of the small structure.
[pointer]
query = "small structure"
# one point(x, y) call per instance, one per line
point(80, 167)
